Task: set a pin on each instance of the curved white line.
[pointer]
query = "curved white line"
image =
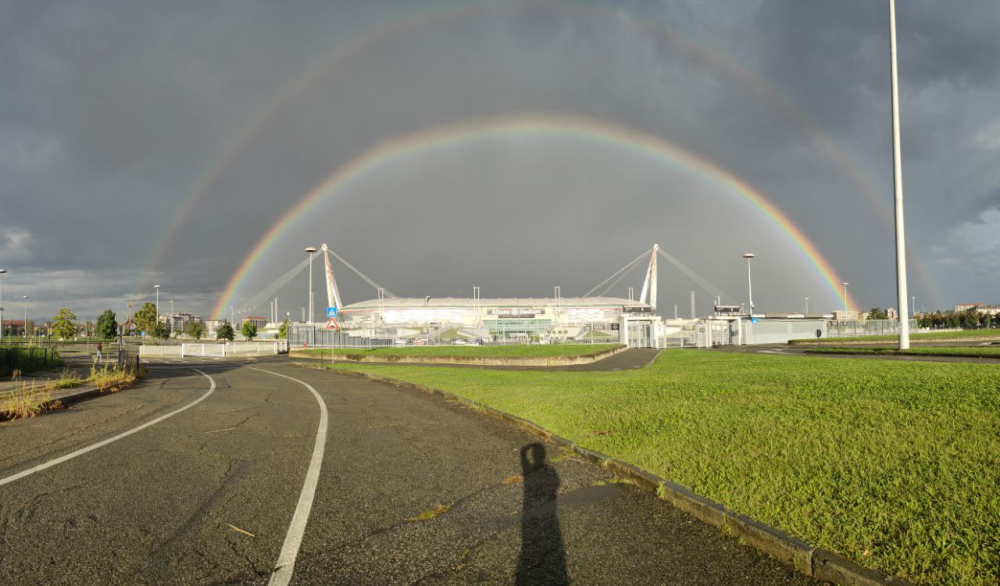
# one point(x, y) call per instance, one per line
point(282, 573)
point(101, 444)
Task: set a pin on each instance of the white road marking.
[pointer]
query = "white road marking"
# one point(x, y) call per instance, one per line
point(101, 444)
point(285, 566)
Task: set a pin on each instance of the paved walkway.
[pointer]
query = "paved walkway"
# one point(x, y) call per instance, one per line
point(411, 489)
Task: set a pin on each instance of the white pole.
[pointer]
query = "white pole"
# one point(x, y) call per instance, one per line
point(2, 271)
point(749, 256)
point(845, 298)
point(807, 305)
point(897, 164)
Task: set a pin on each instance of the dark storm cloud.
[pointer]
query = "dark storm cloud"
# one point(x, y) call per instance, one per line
point(113, 112)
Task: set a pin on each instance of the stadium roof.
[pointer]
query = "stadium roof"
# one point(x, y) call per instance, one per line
point(463, 302)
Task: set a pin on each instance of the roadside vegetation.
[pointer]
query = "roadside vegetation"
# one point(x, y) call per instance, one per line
point(27, 359)
point(894, 464)
point(964, 351)
point(956, 336)
point(111, 379)
point(28, 399)
point(513, 351)
point(23, 402)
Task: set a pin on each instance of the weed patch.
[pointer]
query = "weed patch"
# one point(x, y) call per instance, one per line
point(111, 379)
point(24, 402)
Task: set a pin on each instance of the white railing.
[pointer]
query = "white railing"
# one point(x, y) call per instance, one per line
point(254, 348)
point(160, 351)
point(204, 350)
point(214, 350)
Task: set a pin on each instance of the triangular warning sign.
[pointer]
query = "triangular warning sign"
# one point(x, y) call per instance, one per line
point(331, 324)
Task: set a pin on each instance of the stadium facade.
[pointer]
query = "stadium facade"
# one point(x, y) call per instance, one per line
point(556, 316)
point(410, 319)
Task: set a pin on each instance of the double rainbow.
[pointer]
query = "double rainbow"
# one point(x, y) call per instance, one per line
point(579, 128)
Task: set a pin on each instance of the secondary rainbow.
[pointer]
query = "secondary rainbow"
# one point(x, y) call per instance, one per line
point(403, 20)
point(541, 124)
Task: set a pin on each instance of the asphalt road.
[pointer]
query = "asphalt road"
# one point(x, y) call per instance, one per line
point(408, 488)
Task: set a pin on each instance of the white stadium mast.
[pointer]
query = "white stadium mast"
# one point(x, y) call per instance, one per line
point(332, 292)
point(649, 285)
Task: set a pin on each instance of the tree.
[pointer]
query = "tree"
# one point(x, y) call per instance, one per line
point(249, 330)
point(225, 332)
point(64, 323)
point(877, 313)
point(283, 330)
point(145, 318)
point(195, 329)
point(107, 325)
point(160, 330)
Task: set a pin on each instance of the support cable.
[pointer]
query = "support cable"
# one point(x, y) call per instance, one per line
point(619, 271)
point(363, 276)
point(702, 282)
point(607, 289)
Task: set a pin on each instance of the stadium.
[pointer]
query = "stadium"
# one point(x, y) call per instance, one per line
point(553, 317)
point(546, 319)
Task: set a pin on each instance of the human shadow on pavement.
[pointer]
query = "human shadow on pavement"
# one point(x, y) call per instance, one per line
point(543, 555)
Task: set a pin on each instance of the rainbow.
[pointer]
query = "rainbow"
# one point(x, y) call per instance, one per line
point(403, 21)
point(571, 126)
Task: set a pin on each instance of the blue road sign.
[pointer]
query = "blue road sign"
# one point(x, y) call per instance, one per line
point(331, 312)
point(755, 320)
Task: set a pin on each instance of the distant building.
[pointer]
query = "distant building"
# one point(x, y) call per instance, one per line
point(891, 313)
point(844, 315)
point(178, 321)
point(990, 309)
point(260, 322)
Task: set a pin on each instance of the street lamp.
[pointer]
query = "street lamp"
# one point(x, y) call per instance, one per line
point(2, 273)
point(171, 316)
point(897, 181)
point(845, 296)
point(807, 305)
point(157, 287)
point(26, 298)
point(310, 250)
point(748, 256)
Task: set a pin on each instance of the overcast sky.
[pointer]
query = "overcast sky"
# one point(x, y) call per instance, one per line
point(158, 142)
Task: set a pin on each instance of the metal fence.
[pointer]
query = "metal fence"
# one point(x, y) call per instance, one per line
point(305, 336)
point(871, 327)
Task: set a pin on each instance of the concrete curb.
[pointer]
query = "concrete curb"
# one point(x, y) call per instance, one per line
point(480, 360)
point(806, 559)
point(76, 396)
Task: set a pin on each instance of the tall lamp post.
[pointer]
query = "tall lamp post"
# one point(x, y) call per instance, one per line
point(171, 316)
point(310, 250)
point(845, 296)
point(807, 305)
point(157, 287)
point(2, 273)
point(26, 298)
point(749, 256)
point(897, 180)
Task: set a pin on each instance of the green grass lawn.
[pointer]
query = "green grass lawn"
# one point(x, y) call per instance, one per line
point(984, 334)
point(893, 464)
point(517, 351)
point(966, 351)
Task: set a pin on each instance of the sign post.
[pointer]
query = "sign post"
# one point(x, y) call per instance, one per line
point(331, 324)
